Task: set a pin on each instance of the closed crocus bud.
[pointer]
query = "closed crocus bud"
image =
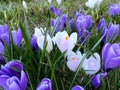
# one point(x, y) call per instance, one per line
point(92, 64)
point(111, 56)
point(92, 3)
point(45, 84)
point(24, 5)
point(77, 87)
point(33, 43)
point(73, 60)
point(114, 9)
point(49, 1)
point(96, 80)
point(101, 25)
point(4, 34)
point(64, 42)
point(57, 11)
point(17, 37)
point(39, 34)
point(2, 59)
point(113, 31)
point(59, 2)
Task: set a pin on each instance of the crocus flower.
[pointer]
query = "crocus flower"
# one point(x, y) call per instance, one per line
point(96, 80)
point(64, 42)
point(2, 53)
point(4, 34)
point(83, 21)
point(92, 3)
point(59, 2)
point(39, 34)
point(45, 84)
point(74, 60)
point(12, 76)
point(57, 12)
point(17, 37)
point(113, 31)
point(111, 56)
point(62, 23)
point(49, 1)
point(33, 43)
point(77, 87)
point(101, 25)
point(24, 5)
point(114, 9)
point(92, 64)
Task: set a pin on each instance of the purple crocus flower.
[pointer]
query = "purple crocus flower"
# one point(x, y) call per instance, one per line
point(2, 53)
point(113, 31)
point(12, 76)
point(111, 56)
point(57, 12)
point(83, 35)
point(101, 25)
point(96, 80)
point(33, 43)
point(17, 37)
point(62, 23)
point(77, 87)
point(83, 21)
point(114, 9)
point(4, 34)
point(71, 22)
point(45, 84)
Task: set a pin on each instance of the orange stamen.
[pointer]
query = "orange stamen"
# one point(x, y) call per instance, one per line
point(67, 38)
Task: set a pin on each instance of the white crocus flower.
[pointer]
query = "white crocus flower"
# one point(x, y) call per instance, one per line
point(64, 42)
point(92, 64)
point(73, 60)
point(49, 1)
point(92, 3)
point(39, 33)
point(24, 5)
point(59, 2)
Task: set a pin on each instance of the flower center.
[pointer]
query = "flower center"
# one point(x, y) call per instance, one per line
point(66, 37)
point(73, 58)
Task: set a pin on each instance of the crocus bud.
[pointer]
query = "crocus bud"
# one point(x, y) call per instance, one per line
point(17, 37)
point(101, 25)
point(45, 84)
point(24, 5)
point(92, 3)
point(96, 80)
point(59, 2)
point(77, 87)
point(49, 1)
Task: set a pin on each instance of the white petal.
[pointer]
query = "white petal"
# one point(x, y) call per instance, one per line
point(49, 44)
point(72, 41)
point(38, 32)
point(40, 42)
point(53, 39)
